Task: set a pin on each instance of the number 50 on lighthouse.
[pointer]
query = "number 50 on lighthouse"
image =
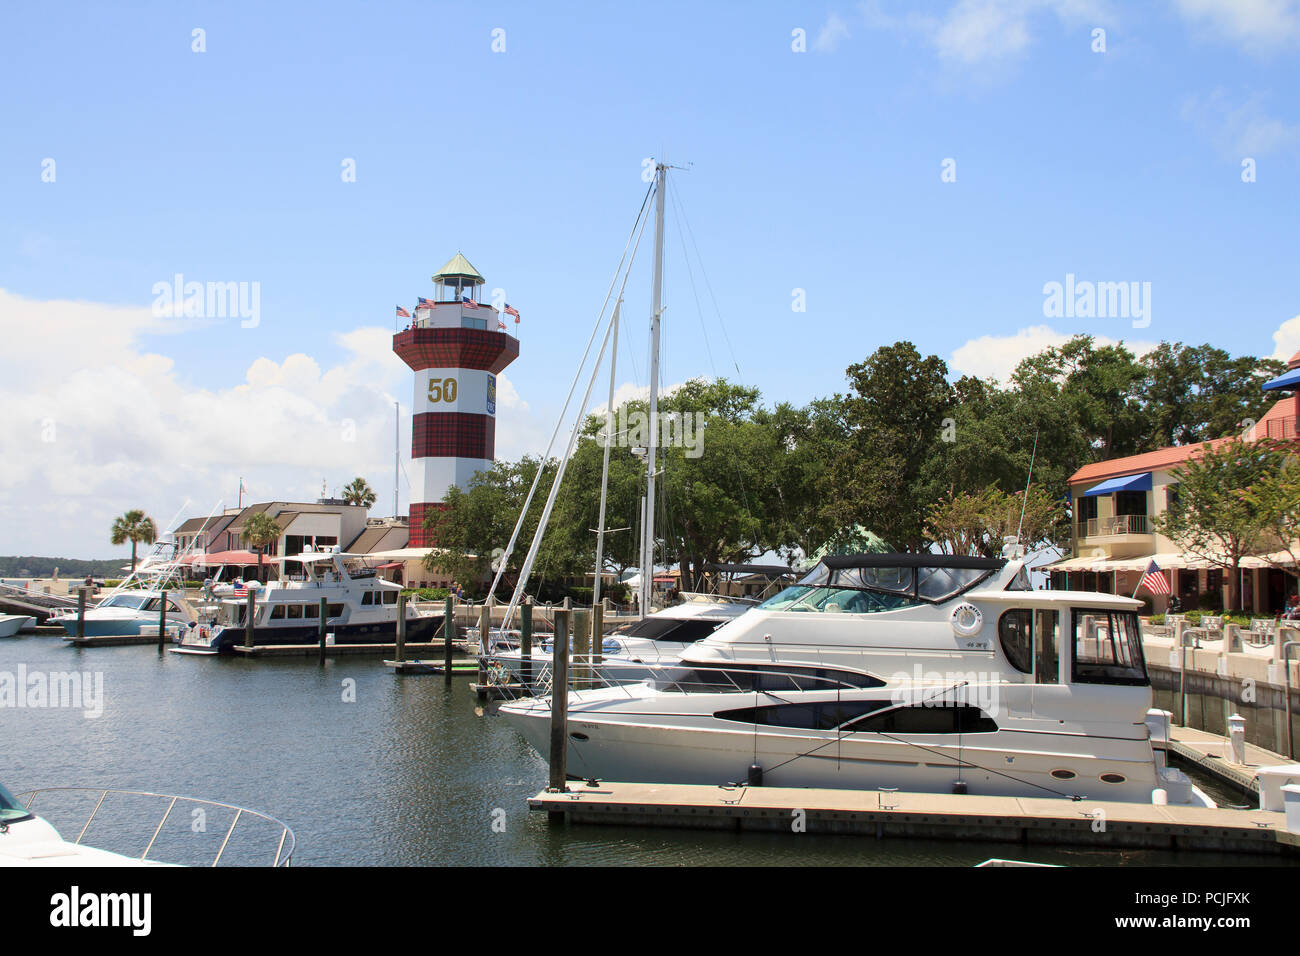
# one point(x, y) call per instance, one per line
point(442, 390)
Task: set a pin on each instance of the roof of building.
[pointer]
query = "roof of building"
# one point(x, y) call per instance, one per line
point(374, 536)
point(1293, 361)
point(458, 266)
point(1163, 459)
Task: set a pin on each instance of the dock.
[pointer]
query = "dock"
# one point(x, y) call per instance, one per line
point(1213, 755)
point(113, 640)
point(334, 650)
point(458, 668)
point(879, 814)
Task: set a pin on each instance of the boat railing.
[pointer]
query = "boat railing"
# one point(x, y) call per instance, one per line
point(285, 846)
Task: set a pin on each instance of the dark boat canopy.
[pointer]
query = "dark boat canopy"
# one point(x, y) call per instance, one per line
point(771, 570)
point(911, 560)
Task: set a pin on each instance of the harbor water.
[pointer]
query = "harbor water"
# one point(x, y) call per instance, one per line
point(369, 768)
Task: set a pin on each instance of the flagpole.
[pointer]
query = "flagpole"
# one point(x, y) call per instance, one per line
point(241, 492)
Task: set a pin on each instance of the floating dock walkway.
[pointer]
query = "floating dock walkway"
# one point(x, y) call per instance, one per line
point(336, 650)
point(1030, 820)
point(1212, 754)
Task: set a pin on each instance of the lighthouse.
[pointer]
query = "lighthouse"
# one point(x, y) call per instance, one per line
point(456, 344)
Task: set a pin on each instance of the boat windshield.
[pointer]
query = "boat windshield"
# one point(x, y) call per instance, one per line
point(10, 808)
point(865, 590)
point(133, 601)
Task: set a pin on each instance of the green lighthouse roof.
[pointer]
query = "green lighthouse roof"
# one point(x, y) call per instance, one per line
point(458, 267)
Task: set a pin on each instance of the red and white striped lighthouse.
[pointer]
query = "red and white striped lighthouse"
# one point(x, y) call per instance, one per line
point(456, 345)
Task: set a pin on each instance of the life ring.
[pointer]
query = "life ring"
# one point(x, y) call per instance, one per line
point(966, 619)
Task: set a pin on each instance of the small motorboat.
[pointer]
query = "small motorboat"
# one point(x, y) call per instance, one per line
point(14, 624)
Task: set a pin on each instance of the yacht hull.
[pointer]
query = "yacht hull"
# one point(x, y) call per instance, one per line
point(418, 631)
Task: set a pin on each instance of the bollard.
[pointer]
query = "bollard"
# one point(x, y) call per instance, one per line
point(401, 627)
point(448, 637)
point(559, 703)
point(526, 642)
point(162, 619)
point(81, 613)
point(320, 631)
point(1237, 738)
point(250, 613)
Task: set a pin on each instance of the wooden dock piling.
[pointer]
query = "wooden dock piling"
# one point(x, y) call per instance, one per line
point(162, 622)
point(250, 614)
point(81, 613)
point(448, 637)
point(559, 702)
point(597, 632)
point(401, 627)
point(526, 642)
point(320, 634)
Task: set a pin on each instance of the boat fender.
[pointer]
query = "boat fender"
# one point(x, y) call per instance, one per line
point(967, 619)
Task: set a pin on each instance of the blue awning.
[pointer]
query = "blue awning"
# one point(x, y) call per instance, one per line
point(1287, 380)
point(1140, 482)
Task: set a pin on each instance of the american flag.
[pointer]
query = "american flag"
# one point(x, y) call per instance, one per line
point(241, 590)
point(511, 310)
point(424, 304)
point(501, 325)
point(1154, 580)
point(468, 302)
point(402, 313)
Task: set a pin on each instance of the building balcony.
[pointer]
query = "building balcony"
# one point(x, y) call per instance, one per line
point(1115, 526)
point(1280, 428)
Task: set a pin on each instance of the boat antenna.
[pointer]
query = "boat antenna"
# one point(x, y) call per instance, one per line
point(1028, 481)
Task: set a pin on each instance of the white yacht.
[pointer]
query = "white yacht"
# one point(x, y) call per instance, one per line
point(126, 611)
point(12, 624)
point(361, 607)
point(636, 651)
point(920, 672)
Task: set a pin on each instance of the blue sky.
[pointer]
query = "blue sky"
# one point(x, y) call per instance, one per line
point(816, 170)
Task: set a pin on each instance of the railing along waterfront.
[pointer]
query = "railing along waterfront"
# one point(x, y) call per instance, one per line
point(285, 846)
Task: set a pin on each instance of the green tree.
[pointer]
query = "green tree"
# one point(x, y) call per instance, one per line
point(977, 523)
point(1212, 515)
point(260, 531)
point(1275, 496)
point(359, 492)
point(134, 526)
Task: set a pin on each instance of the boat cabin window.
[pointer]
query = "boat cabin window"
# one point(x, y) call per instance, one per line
point(312, 611)
point(1025, 634)
point(295, 612)
point(1107, 647)
point(390, 597)
point(679, 630)
point(133, 601)
point(1015, 632)
point(277, 613)
point(761, 677)
point(822, 715)
point(947, 719)
point(367, 599)
point(11, 811)
point(334, 610)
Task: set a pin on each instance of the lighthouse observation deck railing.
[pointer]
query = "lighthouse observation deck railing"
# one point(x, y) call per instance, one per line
point(200, 838)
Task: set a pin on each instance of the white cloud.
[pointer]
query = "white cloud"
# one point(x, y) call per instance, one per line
point(974, 32)
point(996, 356)
point(832, 32)
point(1258, 26)
point(628, 392)
point(1286, 340)
point(1239, 130)
point(94, 425)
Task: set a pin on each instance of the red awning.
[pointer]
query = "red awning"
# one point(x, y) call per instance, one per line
point(391, 564)
point(226, 557)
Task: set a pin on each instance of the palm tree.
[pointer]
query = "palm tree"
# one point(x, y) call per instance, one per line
point(358, 492)
point(260, 531)
point(134, 526)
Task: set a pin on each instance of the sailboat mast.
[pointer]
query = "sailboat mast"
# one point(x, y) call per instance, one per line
point(604, 471)
point(648, 534)
point(397, 452)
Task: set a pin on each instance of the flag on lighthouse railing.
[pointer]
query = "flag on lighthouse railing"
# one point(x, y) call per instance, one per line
point(1154, 580)
point(468, 302)
point(402, 313)
point(511, 310)
point(424, 303)
point(501, 326)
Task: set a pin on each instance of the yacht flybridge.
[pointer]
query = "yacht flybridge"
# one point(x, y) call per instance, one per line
point(921, 672)
point(361, 607)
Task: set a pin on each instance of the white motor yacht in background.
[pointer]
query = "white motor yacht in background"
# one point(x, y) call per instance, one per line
point(635, 651)
point(921, 672)
point(361, 608)
point(126, 612)
point(12, 624)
